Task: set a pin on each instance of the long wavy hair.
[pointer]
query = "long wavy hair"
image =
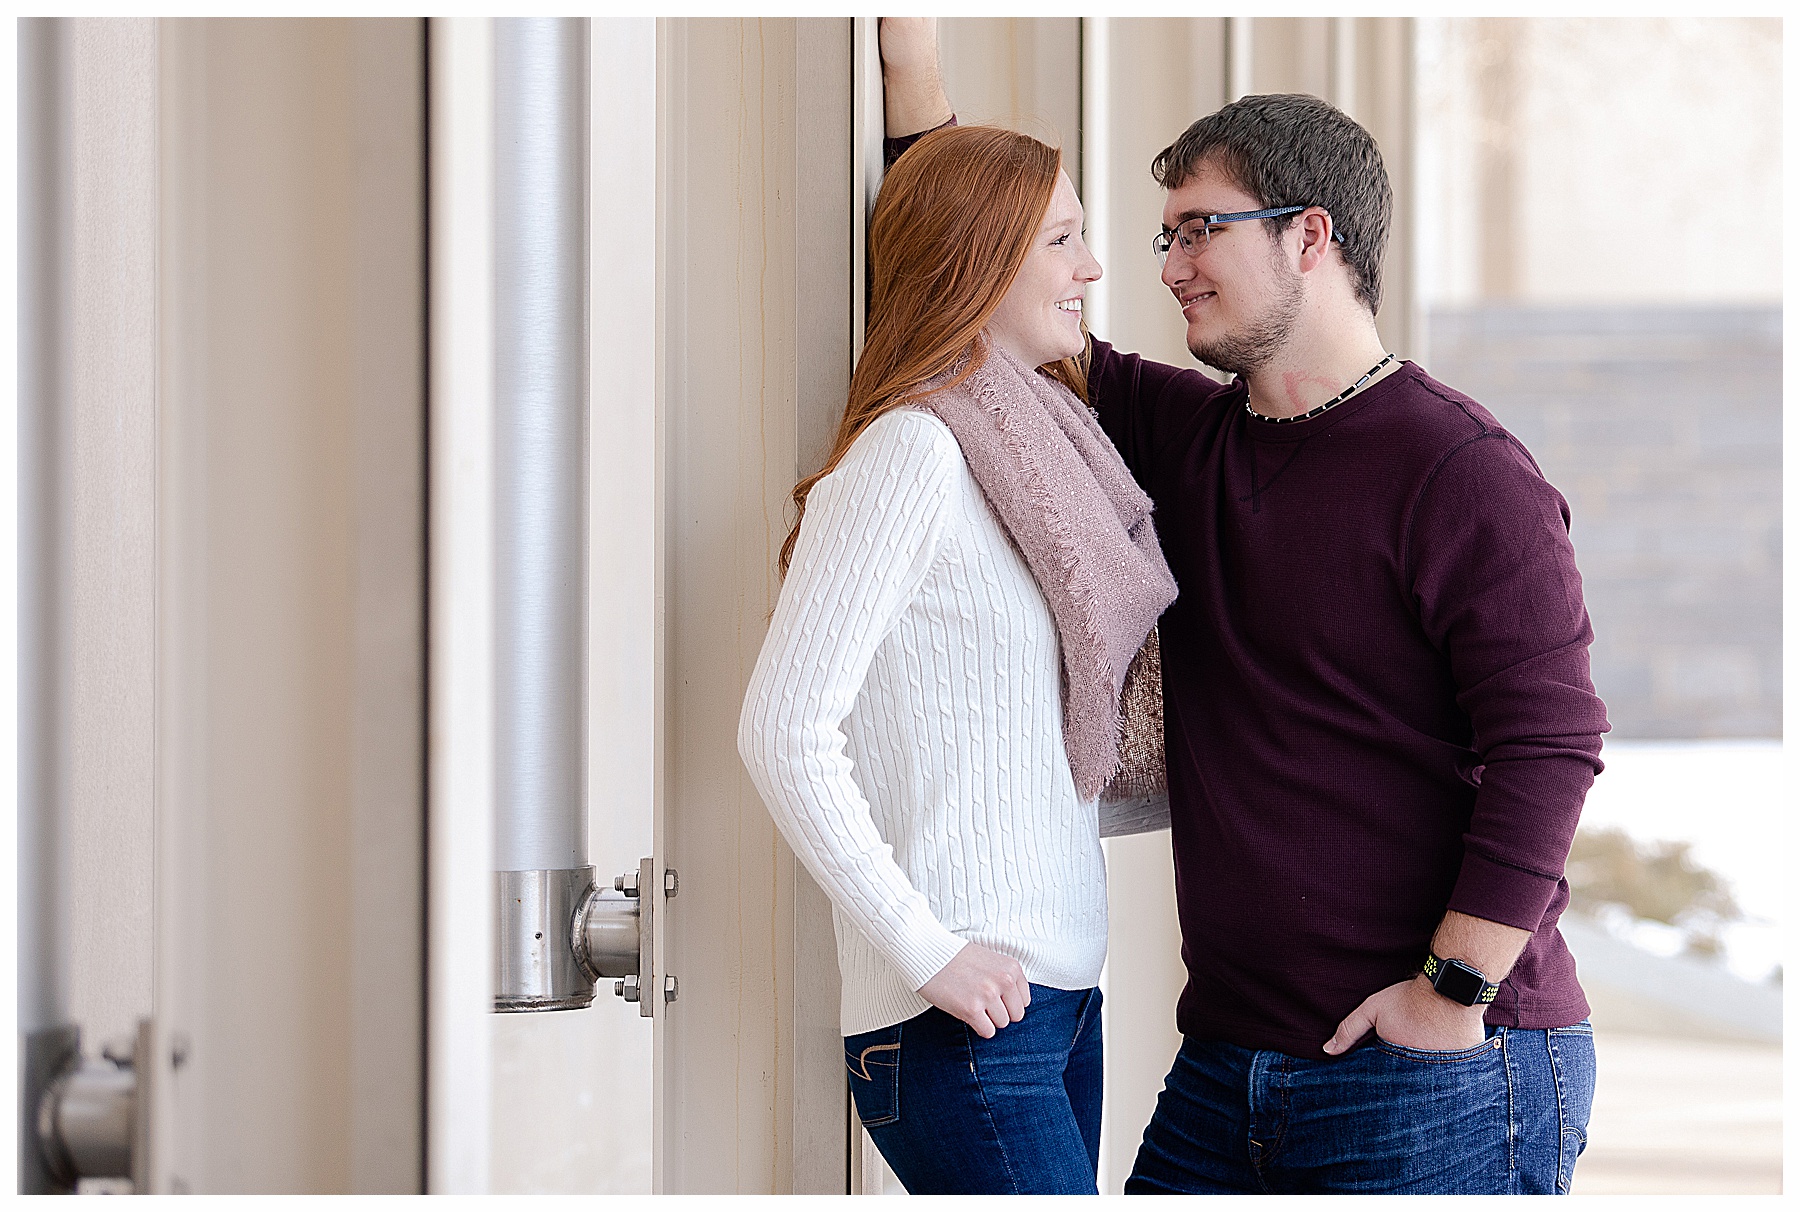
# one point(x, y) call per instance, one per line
point(951, 229)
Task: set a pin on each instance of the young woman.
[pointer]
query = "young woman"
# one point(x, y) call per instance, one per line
point(936, 707)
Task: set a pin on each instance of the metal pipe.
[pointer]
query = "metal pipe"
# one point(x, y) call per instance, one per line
point(540, 489)
point(45, 373)
point(48, 1042)
point(608, 936)
point(87, 1122)
point(541, 385)
point(537, 965)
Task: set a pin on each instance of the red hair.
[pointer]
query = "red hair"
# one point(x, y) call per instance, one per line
point(951, 229)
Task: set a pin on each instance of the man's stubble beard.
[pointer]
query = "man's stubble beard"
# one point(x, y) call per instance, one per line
point(1259, 341)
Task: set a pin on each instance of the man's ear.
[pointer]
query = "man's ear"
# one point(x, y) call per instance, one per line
point(1315, 228)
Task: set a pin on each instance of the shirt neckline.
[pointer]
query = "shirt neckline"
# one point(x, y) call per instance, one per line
point(1294, 431)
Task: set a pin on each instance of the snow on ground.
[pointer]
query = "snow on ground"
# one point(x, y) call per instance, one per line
point(1724, 798)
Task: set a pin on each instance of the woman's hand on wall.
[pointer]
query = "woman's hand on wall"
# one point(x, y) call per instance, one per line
point(909, 45)
point(983, 988)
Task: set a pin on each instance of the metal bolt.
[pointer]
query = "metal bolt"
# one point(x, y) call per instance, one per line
point(671, 988)
point(627, 988)
point(671, 884)
point(627, 883)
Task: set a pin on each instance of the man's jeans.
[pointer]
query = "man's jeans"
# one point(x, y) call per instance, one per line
point(955, 1114)
point(1506, 1118)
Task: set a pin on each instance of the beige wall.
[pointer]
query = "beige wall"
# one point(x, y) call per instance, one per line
point(244, 742)
point(1601, 160)
point(754, 362)
point(1022, 73)
point(460, 850)
point(290, 530)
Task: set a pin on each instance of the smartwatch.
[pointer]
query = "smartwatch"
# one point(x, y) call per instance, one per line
point(1462, 983)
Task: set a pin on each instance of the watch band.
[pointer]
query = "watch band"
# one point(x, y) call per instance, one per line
point(1462, 983)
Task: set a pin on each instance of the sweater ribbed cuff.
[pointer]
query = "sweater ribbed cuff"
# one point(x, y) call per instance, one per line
point(923, 950)
point(1497, 892)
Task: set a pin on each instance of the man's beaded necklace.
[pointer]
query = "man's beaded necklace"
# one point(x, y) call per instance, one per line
point(1327, 405)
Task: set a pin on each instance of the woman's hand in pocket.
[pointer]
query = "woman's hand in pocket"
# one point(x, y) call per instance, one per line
point(983, 988)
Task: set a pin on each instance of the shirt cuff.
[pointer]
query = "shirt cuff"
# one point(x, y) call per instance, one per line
point(1501, 893)
point(893, 149)
point(924, 950)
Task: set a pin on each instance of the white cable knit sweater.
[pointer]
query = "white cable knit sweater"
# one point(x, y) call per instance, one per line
point(904, 727)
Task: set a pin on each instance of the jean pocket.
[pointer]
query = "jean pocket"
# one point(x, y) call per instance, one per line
point(873, 1058)
point(1425, 1056)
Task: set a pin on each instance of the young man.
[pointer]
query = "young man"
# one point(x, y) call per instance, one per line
point(1380, 724)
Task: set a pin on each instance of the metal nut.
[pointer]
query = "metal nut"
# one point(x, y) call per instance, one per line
point(627, 883)
point(628, 988)
point(671, 882)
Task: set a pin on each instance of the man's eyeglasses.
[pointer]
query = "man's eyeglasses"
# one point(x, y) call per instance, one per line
point(1196, 234)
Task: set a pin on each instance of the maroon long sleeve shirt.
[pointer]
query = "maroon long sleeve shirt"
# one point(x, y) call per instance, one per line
point(1376, 694)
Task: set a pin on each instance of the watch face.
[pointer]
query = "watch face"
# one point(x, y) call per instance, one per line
point(1459, 982)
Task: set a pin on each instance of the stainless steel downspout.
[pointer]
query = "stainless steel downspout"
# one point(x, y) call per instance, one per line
point(76, 1120)
point(48, 1040)
point(556, 933)
point(540, 384)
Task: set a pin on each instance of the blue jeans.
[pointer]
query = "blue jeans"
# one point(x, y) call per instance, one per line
point(955, 1114)
point(1506, 1118)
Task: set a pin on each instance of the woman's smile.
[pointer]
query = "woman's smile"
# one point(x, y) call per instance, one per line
point(1053, 278)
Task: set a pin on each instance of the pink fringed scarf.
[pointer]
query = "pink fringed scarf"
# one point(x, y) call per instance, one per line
point(1083, 525)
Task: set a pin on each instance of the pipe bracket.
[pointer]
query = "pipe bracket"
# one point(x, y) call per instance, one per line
point(535, 962)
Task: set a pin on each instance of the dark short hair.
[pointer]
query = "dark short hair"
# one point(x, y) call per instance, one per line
point(1289, 149)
